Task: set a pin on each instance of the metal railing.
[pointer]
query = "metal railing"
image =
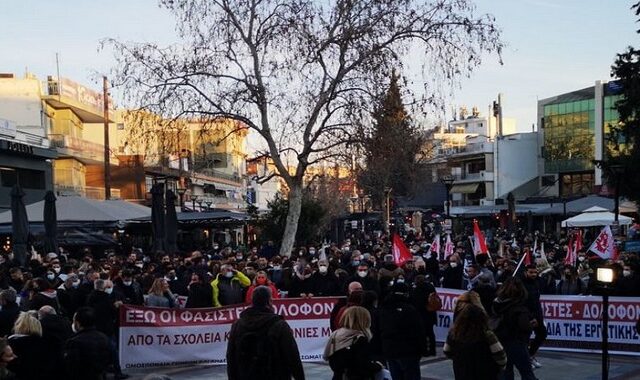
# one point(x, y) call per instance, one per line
point(79, 147)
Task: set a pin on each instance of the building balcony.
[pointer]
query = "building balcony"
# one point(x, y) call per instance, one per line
point(569, 165)
point(481, 176)
point(88, 191)
point(67, 94)
point(85, 151)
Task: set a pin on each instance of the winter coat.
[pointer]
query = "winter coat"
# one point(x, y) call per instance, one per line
point(87, 355)
point(200, 295)
point(44, 298)
point(105, 310)
point(452, 277)
point(165, 300)
point(274, 292)
point(514, 321)
point(70, 300)
point(349, 355)
point(283, 355)
point(325, 285)
point(533, 297)
point(56, 329)
point(229, 291)
point(299, 286)
point(419, 297)
point(476, 360)
point(8, 316)
point(401, 329)
point(33, 357)
point(129, 294)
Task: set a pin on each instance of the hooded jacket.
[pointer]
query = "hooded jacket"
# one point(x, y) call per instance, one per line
point(514, 319)
point(284, 354)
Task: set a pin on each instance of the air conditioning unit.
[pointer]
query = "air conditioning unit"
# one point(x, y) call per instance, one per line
point(487, 202)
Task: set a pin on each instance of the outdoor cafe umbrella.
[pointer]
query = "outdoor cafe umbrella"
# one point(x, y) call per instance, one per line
point(50, 218)
point(157, 218)
point(19, 225)
point(171, 223)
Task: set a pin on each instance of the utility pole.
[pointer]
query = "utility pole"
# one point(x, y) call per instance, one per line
point(107, 167)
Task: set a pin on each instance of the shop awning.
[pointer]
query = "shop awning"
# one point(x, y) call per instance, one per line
point(465, 188)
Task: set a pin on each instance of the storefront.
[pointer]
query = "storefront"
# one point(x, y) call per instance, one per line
point(26, 164)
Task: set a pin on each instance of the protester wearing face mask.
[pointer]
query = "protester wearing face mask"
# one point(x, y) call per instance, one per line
point(106, 307)
point(630, 282)
point(324, 282)
point(362, 276)
point(261, 279)
point(570, 284)
point(128, 290)
point(69, 296)
point(300, 285)
point(452, 277)
point(87, 353)
point(228, 286)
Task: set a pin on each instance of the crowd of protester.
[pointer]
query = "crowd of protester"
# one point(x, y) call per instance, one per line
point(68, 303)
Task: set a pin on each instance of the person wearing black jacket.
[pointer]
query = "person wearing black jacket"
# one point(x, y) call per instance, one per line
point(128, 290)
point(86, 354)
point(10, 311)
point(419, 297)
point(323, 282)
point(533, 285)
point(200, 292)
point(452, 274)
point(281, 350)
point(362, 276)
point(56, 329)
point(402, 334)
point(105, 307)
point(69, 296)
point(513, 327)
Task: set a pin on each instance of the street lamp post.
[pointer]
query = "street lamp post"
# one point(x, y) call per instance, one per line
point(605, 277)
point(208, 203)
point(193, 201)
point(387, 207)
point(448, 183)
point(181, 190)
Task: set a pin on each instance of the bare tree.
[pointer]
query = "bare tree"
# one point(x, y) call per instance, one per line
point(298, 72)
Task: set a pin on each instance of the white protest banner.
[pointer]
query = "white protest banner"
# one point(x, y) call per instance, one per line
point(158, 337)
point(573, 322)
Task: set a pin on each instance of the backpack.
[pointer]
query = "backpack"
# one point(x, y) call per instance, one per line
point(434, 303)
point(255, 349)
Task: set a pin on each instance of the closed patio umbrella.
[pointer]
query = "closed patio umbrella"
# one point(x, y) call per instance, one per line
point(19, 225)
point(171, 223)
point(50, 219)
point(157, 218)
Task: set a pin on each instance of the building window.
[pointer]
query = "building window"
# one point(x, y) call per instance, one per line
point(577, 184)
point(8, 177)
point(28, 179)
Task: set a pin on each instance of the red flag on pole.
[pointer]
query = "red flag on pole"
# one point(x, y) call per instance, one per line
point(604, 246)
point(479, 244)
point(448, 247)
point(570, 258)
point(401, 253)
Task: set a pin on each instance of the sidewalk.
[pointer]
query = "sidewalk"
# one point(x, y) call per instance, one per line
point(556, 365)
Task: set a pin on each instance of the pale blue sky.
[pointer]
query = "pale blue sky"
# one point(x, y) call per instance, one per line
point(553, 46)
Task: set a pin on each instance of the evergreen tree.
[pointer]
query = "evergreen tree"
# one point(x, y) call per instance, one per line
point(625, 137)
point(390, 149)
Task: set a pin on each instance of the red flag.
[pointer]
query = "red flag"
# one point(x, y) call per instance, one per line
point(578, 246)
point(604, 246)
point(401, 253)
point(435, 246)
point(527, 257)
point(479, 244)
point(448, 247)
point(570, 258)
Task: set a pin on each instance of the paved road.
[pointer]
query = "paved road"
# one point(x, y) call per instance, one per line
point(556, 365)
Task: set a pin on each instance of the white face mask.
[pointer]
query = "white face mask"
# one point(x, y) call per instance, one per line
point(50, 277)
point(400, 281)
point(228, 274)
point(323, 269)
point(626, 273)
point(362, 273)
point(76, 283)
point(453, 265)
point(108, 290)
point(581, 258)
point(56, 269)
point(127, 283)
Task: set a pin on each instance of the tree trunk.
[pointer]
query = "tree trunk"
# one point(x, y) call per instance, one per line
point(293, 215)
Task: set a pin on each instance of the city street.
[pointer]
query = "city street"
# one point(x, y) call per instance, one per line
point(556, 365)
